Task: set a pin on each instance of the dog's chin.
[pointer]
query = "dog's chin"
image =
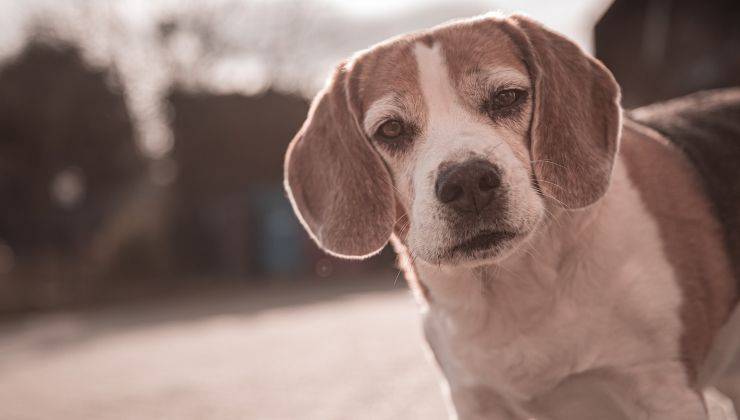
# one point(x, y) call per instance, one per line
point(483, 247)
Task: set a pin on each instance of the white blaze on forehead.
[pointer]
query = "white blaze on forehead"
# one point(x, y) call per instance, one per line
point(434, 80)
point(451, 130)
point(442, 97)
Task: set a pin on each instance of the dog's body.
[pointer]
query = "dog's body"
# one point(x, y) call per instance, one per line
point(650, 253)
point(706, 127)
point(576, 276)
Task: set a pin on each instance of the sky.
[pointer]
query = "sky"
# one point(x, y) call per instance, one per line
point(574, 17)
point(244, 46)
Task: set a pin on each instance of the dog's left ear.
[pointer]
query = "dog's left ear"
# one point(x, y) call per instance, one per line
point(577, 118)
point(338, 185)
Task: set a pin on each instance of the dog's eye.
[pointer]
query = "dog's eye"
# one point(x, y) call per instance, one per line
point(395, 135)
point(506, 98)
point(390, 129)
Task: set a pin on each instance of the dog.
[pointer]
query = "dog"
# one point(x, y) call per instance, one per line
point(571, 260)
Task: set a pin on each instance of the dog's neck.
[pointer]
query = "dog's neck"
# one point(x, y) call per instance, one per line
point(534, 271)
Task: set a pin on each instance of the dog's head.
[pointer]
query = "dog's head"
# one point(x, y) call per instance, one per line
point(457, 138)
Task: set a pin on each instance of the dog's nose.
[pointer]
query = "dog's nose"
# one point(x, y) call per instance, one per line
point(469, 186)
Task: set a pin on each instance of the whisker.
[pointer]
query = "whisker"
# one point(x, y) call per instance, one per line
point(399, 219)
point(552, 216)
point(404, 227)
point(410, 262)
point(548, 161)
point(551, 183)
point(513, 274)
point(393, 186)
point(548, 211)
point(534, 250)
point(539, 190)
point(534, 257)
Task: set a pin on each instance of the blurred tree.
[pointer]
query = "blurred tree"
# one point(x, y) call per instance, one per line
point(66, 150)
point(66, 154)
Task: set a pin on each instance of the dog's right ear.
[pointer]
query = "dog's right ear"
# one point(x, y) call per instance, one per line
point(338, 185)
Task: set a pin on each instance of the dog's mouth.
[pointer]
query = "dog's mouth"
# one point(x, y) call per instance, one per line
point(482, 241)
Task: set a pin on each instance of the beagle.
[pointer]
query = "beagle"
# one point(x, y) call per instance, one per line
point(570, 262)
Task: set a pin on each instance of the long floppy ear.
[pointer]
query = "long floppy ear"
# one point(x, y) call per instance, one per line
point(338, 185)
point(577, 118)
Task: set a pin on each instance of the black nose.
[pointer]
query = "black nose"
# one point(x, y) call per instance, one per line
point(469, 186)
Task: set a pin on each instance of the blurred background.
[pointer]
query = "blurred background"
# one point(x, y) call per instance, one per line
point(150, 264)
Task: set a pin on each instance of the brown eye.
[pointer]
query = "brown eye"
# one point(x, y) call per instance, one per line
point(505, 98)
point(390, 129)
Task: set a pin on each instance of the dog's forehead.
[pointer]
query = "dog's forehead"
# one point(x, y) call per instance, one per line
point(478, 46)
point(387, 68)
point(467, 47)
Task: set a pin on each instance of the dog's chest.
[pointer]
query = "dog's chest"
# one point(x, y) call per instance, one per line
point(526, 339)
point(476, 349)
point(612, 300)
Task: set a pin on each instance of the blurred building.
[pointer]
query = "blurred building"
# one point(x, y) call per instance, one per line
point(231, 214)
point(86, 215)
point(661, 49)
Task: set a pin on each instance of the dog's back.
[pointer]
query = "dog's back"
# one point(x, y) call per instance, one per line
point(706, 126)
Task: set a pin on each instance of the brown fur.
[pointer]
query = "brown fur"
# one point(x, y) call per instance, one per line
point(489, 47)
point(335, 178)
point(672, 192)
point(576, 119)
point(336, 181)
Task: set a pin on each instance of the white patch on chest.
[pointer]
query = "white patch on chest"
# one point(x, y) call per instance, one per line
point(594, 291)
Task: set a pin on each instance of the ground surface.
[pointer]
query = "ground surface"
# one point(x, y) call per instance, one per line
point(337, 351)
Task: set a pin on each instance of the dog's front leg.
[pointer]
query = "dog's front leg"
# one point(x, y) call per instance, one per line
point(484, 403)
point(581, 398)
point(650, 392)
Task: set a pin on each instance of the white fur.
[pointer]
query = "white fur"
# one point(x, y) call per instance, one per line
point(589, 291)
point(452, 134)
point(525, 326)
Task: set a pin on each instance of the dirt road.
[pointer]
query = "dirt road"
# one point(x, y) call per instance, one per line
point(307, 352)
